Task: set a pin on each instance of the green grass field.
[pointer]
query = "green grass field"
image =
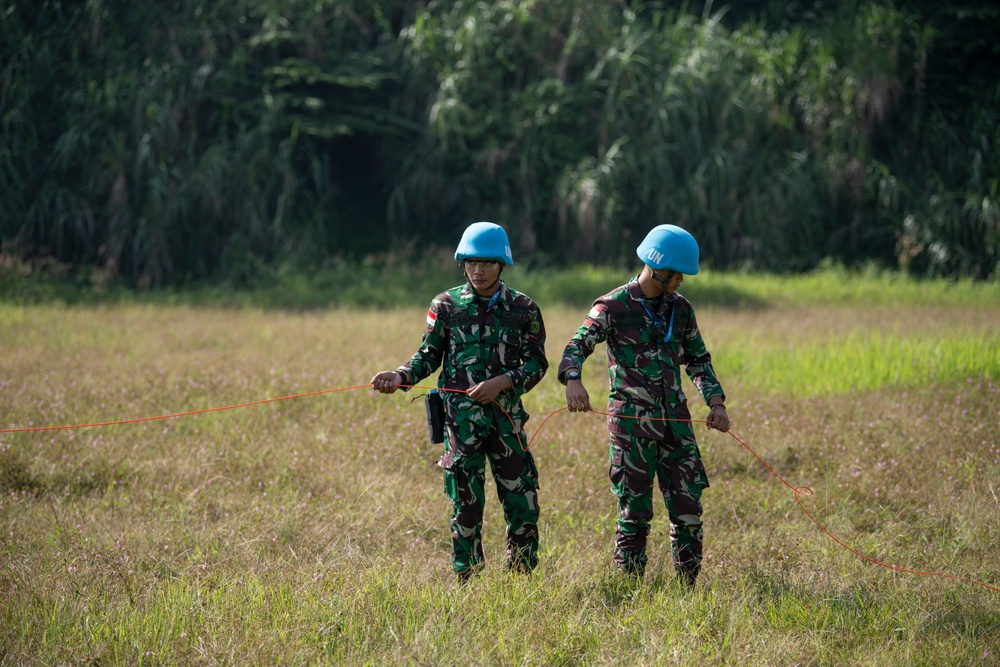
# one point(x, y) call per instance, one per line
point(315, 530)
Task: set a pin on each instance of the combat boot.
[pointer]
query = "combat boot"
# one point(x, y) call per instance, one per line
point(687, 572)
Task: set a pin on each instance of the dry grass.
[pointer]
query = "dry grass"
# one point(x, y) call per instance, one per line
point(315, 530)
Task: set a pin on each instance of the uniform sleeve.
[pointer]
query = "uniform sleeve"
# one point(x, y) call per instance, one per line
point(534, 363)
point(428, 358)
point(698, 362)
point(591, 333)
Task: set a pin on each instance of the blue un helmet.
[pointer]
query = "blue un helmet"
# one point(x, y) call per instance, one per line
point(669, 247)
point(485, 240)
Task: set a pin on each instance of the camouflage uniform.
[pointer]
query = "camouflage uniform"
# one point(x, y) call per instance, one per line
point(647, 341)
point(478, 338)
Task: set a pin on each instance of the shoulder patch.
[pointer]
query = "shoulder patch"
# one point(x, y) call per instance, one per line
point(431, 319)
point(535, 327)
point(595, 312)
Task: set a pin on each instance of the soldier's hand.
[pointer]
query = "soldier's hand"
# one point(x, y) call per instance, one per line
point(386, 382)
point(717, 418)
point(485, 392)
point(577, 398)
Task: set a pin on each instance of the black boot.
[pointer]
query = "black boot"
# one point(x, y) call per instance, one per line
point(687, 572)
point(518, 567)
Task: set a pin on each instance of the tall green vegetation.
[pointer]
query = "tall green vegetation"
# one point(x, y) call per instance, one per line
point(160, 141)
point(182, 138)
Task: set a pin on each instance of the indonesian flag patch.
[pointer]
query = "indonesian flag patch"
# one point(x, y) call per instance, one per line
point(431, 319)
point(594, 313)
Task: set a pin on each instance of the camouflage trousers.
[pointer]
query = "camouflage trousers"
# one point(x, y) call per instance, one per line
point(516, 480)
point(681, 475)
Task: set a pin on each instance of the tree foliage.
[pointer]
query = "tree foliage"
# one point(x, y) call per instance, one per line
point(167, 140)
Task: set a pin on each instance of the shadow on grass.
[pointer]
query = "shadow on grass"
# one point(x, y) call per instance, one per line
point(90, 477)
point(616, 590)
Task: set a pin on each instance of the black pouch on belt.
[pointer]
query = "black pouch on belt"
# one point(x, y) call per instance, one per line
point(434, 404)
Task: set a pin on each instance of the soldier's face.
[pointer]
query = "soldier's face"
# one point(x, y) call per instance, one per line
point(668, 281)
point(483, 274)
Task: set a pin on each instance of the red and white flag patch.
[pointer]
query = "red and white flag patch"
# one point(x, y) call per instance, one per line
point(595, 312)
point(431, 319)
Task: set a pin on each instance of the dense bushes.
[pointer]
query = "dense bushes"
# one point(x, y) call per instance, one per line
point(160, 141)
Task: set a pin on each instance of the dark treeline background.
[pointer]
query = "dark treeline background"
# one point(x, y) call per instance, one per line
point(171, 140)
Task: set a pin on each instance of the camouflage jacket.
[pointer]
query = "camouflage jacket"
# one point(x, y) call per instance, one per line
point(476, 339)
point(646, 344)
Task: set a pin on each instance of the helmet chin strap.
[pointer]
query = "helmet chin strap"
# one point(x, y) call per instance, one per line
point(663, 283)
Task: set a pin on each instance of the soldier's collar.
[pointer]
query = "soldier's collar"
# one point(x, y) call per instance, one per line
point(635, 290)
point(469, 294)
point(635, 293)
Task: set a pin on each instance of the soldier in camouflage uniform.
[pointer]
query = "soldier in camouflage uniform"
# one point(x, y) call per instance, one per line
point(489, 341)
point(650, 330)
